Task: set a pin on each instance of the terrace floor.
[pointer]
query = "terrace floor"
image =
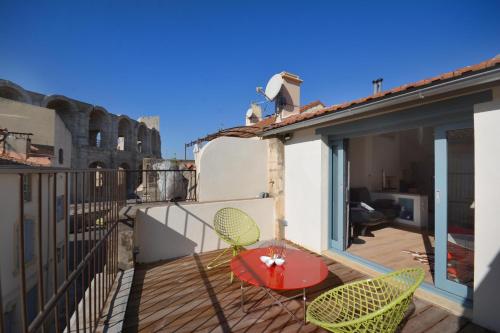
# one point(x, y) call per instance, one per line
point(388, 247)
point(183, 296)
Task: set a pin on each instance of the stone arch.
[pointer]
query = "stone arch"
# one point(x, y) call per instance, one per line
point(66, 110)
point(15, 92)
point(125, 136)
point(97, 165)
point(155, 142)
point(142, 138)
point(98, 127)
point(140, 175)
point(124, 166)
point(98, 180)
point(127, 180)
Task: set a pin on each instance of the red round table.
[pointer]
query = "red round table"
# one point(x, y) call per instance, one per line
point(301, 270)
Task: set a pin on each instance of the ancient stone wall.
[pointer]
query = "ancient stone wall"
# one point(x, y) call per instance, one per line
point(97, 135)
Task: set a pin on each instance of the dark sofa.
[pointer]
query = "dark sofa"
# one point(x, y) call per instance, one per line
point(361, 217)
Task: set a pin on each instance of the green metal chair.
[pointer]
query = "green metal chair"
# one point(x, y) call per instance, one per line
point(373, 305)
point(237, 229)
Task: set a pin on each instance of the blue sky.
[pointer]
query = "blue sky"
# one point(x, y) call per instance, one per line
point(196, 64)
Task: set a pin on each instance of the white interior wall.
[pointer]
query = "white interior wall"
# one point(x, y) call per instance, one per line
point(359, 155)
point(369, 155)
point(179, 229)
point(394, 153)
point(487, 214)
point(306, 190)
point(232, 168)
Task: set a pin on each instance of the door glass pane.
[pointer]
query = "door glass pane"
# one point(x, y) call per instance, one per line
point(460, 245)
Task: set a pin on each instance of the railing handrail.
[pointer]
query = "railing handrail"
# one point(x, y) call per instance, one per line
point(46, 170)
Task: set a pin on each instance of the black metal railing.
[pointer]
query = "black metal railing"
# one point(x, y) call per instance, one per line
point(66, 240)
point(67, 247)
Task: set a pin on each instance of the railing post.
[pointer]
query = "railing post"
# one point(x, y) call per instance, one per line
point(1, 306)
point(76, 228)
point(41, 300)
point(84, 230)
point(66, 244)
point(22, 271)
point(54, 247)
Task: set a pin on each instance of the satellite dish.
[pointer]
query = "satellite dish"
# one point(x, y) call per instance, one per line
point(249, 113)
point(274, 86)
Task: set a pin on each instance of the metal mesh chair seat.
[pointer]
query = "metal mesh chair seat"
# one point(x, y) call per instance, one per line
point(236, 228)
point(373, 305)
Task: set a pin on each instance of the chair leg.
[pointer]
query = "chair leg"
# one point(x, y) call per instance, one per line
point(215, 263)
point(235, 253)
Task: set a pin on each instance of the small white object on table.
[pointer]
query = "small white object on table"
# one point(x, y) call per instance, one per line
point(272, 261)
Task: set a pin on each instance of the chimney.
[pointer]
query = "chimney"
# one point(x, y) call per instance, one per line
point(377, 85)
point(254, 114)
point(288, 101)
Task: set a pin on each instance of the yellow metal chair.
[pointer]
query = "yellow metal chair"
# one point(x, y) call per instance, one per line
point(237, 229)
point(373, 305)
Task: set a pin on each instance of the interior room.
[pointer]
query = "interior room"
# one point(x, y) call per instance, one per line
point(391, 211)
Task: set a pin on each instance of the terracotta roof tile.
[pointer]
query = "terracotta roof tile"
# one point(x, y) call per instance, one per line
point(19, 158)
point(311, 105)
point(493, 62)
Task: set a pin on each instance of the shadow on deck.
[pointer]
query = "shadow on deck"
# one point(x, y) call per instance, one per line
point(183, 296)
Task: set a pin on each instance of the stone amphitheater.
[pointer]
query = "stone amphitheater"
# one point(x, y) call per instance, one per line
point(100, 138)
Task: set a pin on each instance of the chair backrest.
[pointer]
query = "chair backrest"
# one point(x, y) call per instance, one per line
point(360, 194)
point(377, 299)
point(235, 227)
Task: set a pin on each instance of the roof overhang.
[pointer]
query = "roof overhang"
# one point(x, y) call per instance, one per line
point(417, 95)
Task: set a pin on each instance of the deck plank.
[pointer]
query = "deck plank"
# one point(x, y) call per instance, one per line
point(183, 296)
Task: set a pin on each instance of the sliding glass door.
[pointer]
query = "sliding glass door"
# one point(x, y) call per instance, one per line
point(454, 199)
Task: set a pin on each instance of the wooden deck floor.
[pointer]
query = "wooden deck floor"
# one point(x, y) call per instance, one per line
point(183, 296)
point(385, 246)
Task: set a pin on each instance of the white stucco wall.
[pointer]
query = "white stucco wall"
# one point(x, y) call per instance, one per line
point(487, 214)
point(22, 117)
point(306, 190)
point(232, 168)
point(45, 125)
point(178, 229)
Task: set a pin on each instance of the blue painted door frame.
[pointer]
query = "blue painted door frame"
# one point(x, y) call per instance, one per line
point(441, 210)
point(337, 209)
point(337, 195)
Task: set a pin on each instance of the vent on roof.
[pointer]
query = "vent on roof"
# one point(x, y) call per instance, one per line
point(377, 85)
